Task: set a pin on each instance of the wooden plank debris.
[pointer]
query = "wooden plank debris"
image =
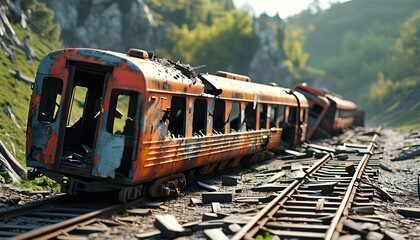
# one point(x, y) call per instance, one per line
point(216, 197)
point(208, 187)
point(269, 187)
point(229, 181)
point(409, 212)
point(215, 234)
point(169, 226)
point(139, 211)
point(215, 207)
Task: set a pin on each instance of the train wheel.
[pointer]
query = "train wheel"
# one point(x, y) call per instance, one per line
point(123, 195)
point(127, 194)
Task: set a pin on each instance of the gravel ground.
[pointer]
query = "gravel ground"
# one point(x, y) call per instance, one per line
point(399, 178)
point(401, 181)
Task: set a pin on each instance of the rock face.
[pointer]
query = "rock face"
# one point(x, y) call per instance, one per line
point(120, 25)
point(266, 65)
point(105, 24)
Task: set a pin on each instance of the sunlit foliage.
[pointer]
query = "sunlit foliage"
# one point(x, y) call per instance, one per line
point(228, 43)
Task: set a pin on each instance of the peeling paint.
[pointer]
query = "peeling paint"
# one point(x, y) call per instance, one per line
point(109, 153)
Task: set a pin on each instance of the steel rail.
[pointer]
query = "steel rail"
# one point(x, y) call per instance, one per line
point(30, 207)
point(337, 221)
point(269, 208)
point(55, 230)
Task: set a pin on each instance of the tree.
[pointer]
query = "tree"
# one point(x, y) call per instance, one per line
point(228, 44)
point(408, 44)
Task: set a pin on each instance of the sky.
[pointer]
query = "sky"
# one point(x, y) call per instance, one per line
point(285, 8)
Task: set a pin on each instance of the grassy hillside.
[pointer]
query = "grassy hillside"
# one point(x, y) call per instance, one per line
point(369, 51)
point(16, 94)
point(330, 27)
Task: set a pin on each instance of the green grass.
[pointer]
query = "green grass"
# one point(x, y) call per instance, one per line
point(17, 94)
point(408, 120)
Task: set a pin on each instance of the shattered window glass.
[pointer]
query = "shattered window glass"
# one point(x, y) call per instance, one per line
point(122, 112)
point(50, 99)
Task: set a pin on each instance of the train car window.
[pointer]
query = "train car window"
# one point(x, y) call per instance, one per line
point(274, 115)
point(235, 117)
point(219, 116)
point(281, 113)
point(304, 115)
point(292, 115)
point(177, 117)
point(200, 117)
point(122, 112)
point(263, 116)
point(50, 99)
point(77, 106)
point(250, 116)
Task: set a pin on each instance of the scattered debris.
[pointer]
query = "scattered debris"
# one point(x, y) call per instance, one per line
point(269, 187)
point(215, 207)
point(140, 212)
point(409, 212)
point(215, 234)
point(350, 168)
point(392, 236)
point(216, 197)
point(276, 176)
point(208, 187)
point(229, 181)
point(408, 154)
point(169, 226)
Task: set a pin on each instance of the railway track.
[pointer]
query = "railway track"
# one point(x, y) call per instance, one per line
point(316, 205)
point(58, 217)
point(312, 205)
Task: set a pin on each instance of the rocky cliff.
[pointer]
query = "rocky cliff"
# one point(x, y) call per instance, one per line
point(106, 24)
point(120, 25)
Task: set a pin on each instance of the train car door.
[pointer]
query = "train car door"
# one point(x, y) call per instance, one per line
point(118, 131)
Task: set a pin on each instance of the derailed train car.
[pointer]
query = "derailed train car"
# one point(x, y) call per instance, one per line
point(329, 113)
point(101, 120)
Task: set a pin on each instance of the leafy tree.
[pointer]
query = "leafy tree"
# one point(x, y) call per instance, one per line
point(381, 89)
point(227, 44)
point(297, 58)
point(190, 12)
point(42, 20)
point(408, 44)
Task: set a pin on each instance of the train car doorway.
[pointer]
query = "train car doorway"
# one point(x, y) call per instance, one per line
point(85, 91)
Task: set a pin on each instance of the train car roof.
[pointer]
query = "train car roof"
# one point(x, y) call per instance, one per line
point(312, 94)
point(342, 103)
point(234, 89)
point(161, 75)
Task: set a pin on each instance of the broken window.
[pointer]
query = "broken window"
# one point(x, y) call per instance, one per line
point(50, 99)
point(292, 115)
point(122, 112)
point(274, 111)
point(77, 106)
point(219, 116)
point(177, 117)
point(200, 117)
point(304, 115)
point(250, 116)
point(235, 117)
point(281, 113)
point(263, 116)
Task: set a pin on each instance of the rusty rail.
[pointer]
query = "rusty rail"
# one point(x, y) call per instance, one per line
point(250, 228)
point(57, 229)
point(343, 202)
point(337, 221)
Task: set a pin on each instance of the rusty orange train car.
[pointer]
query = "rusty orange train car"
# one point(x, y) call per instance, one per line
point(329, 113)
point(101, 120)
